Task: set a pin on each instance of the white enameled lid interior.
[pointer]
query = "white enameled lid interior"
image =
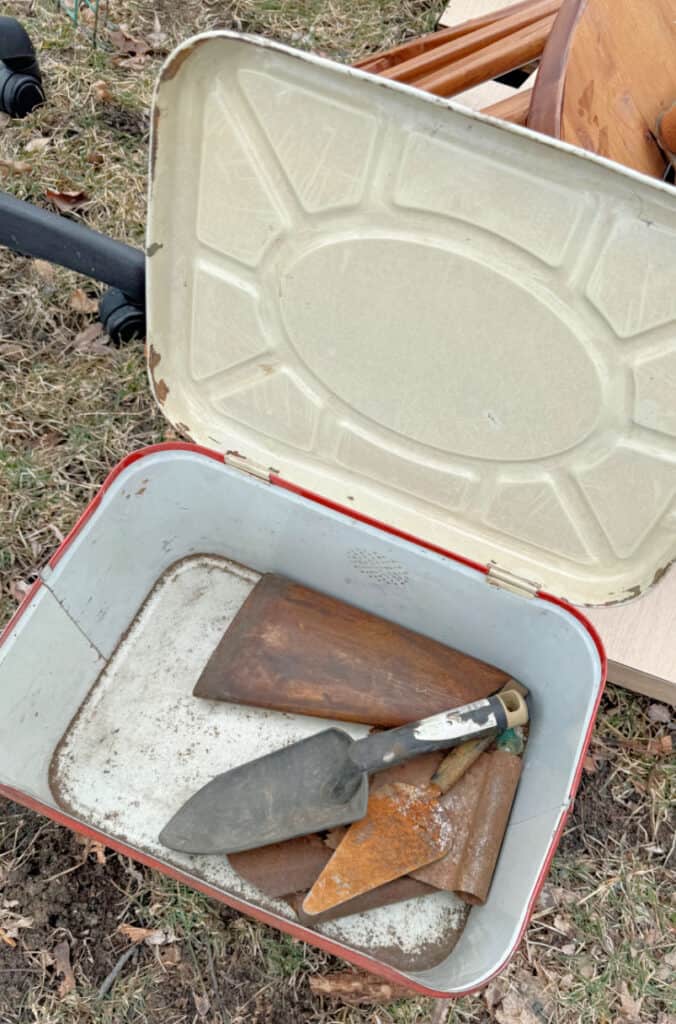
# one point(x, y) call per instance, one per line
point(445, 323)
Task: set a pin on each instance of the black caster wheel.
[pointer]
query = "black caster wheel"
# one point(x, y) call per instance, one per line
point(20, 81)
point(122, 320)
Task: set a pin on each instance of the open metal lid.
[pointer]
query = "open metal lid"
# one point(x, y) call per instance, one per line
point(441, 321)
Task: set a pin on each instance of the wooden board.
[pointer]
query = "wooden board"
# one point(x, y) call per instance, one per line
point(294, 649)
point(458, 11)
point(506, 98)
point(606, 73)
point(640, 640)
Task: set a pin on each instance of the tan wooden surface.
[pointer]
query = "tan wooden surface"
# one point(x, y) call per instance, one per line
point(485, 95)
point(640, 640)
point(458, 11)
point(607, 72)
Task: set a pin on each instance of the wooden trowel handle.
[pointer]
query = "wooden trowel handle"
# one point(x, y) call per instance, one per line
point(440, 732)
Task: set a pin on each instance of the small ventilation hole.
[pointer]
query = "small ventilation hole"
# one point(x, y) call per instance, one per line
point(378, 568)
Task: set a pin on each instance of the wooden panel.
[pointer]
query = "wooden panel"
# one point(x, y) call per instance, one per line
point(458, 11)
point(485, 95)
point(294, 649)
point(607, 72)
point(640, 640)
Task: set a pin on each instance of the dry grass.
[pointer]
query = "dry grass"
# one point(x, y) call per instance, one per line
point(598, 949)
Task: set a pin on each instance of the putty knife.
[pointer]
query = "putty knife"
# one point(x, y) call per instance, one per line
point(319, 782)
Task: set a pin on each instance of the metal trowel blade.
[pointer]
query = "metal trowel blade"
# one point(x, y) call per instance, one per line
point(288, 793)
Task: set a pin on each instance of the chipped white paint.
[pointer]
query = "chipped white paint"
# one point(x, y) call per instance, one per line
point(448, 725)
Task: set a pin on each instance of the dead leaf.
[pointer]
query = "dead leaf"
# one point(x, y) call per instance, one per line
point(202, 1005)
point(670, 959)
point(91, 846)
point(151, 936)
point(4, 119)
point(631, 1008)
point(563, 924)
point(125, 43)
point(661, 746)
point(157, 38)
point(589, 764)
point(18, 589)
point(526, 1002)
point(60, 537)
point(63, 967)
point(659, 713)
point(49, 439)
point(46, 959)
point(44, 268)
point(102, 93)
point(37, 145)
point(586, 969)
point(95, 158)
point(169, 956)
point(67, 202)
point(15, 166)
point(134, 933)
point(83, 303)
point(493, 994)
point(134, 62)
point(515, 1011)
point(11, 922)
point(92, 339)
point(568, 949)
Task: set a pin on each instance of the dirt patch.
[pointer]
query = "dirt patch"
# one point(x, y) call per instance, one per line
point(82, 904)
point(67, 894)
point(597, 815)
point(132, 123)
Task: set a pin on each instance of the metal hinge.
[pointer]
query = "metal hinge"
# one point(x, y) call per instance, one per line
point(247, 466)
point(499, 577)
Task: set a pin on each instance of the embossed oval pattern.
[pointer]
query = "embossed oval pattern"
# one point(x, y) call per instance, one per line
point(504, 378)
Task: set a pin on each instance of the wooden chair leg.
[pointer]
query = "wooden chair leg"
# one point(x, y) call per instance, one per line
point(444, 56)
point(489, 62)
point(376, 63)
point(513, 109)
